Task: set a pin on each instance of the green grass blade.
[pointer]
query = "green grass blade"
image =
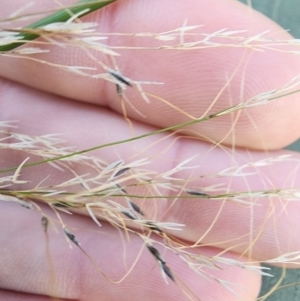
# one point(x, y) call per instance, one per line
point(60, 16)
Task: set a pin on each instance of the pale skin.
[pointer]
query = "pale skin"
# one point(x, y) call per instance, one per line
point(81, 106)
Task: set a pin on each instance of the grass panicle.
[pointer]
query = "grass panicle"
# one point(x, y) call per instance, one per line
point(119, 192)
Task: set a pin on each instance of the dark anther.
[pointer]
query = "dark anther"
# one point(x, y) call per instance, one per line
point(120, 78)
point(127, 214)
point(136, 208)
point(121, 188)
point(121, 171)
point(153, 227)
point(168, 271)
point(71, 237)
point(199, 193)
point(155, 253)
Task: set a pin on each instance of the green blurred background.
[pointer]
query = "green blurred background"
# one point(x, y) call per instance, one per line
point(287, 14)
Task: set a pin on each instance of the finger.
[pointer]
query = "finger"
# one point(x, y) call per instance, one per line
point(198, 82)
point(50, 268)
point(17, 296)
point(267, 222)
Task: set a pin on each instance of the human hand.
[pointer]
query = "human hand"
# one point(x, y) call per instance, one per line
point(88, 112)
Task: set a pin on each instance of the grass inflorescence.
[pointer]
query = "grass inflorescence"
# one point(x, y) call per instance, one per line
point(119, 192)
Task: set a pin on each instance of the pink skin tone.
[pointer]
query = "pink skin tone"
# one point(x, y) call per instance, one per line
point(88, 113)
